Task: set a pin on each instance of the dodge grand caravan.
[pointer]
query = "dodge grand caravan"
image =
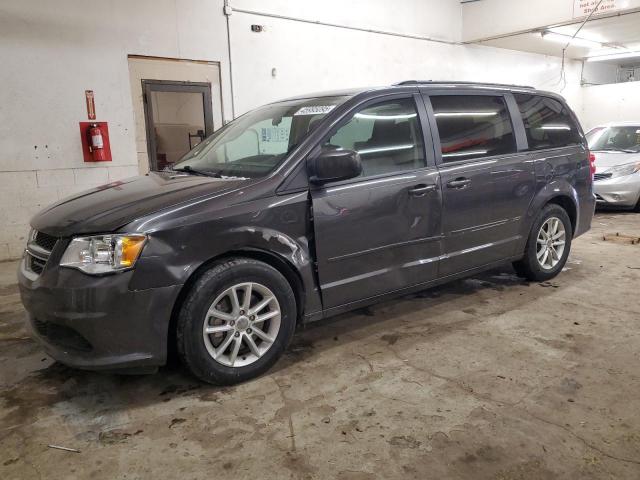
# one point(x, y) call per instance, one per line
point(300, 210)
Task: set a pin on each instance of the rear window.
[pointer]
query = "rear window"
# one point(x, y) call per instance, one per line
point(472, 126)
point(547, 122)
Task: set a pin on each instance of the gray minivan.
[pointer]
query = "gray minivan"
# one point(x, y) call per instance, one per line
point(300, 210)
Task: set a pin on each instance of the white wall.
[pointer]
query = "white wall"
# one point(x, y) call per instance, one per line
point(438, 19)
point(486, 18)
point(610, 103)
point(50, 54)
point(327, 58)
point(598, 73)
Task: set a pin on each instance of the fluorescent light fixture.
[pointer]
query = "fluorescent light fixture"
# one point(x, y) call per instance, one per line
point(614, 56)
point(385, 117)
point(576, 41)
point(465, 114)
point(465, 154)
point(555, 127)
point(384, 149)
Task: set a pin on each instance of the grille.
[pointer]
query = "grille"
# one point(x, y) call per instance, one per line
point(36, 265)
point(62, 336)
point(45, 241)
point(601, 176)
point(39, 248)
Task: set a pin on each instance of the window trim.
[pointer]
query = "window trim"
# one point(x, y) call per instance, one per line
point(437, 147)
point(564, 106)
point(429, 161)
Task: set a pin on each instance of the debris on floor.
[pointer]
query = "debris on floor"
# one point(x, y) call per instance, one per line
point(621, 238)
point(66, 449)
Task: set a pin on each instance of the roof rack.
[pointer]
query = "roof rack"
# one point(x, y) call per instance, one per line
point(432, 82)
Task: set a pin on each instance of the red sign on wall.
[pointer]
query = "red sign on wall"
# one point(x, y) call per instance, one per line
point(91, 104)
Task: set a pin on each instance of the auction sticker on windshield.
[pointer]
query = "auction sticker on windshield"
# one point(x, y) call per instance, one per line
point(315, 110)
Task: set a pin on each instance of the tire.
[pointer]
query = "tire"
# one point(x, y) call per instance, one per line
point(532, 268)
point(210, 305)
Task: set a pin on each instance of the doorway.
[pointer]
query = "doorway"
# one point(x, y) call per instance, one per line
point(178, 116)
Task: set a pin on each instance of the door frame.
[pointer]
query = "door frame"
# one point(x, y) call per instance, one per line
point(464, 166)
point(149, 86)
point(425, 171)
point(425, 134)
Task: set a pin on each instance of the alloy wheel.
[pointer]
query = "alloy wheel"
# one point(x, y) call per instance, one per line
point(241, 324)
point(550, 243)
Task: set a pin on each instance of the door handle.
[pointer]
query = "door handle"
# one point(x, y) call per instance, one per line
point(459, 183)
point(421, 189)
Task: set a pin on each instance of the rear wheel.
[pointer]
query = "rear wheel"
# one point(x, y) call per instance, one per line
point(236, 321)
point(548, 245)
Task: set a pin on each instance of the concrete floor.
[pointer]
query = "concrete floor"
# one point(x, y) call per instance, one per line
point(485, 378)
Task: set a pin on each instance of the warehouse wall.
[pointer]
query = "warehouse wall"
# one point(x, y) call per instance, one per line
point(438, 19)
point(599, 73)
point(50, 54)
point(328, 58)
point(610, 103)
point(487, 18)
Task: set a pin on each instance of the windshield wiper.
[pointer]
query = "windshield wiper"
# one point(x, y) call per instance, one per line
point(193, 171)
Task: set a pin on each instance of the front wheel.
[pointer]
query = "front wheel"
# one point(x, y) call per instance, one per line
point(236, 321)
point(548, 245)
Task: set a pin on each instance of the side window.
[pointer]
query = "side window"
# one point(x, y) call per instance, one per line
point(472, 126)
point(387, 136)
point(547, 122)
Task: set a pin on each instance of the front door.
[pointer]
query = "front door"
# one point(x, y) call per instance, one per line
point(487, 184)
point(379, 232)
point(178, 116)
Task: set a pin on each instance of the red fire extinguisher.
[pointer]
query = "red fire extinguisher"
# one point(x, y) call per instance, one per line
point(97, 143)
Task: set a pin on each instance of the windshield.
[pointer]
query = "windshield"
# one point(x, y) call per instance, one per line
point(617, 139)
point(257, 142)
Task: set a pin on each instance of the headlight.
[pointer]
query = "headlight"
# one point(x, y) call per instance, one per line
point(103, 253)
point(623, 170)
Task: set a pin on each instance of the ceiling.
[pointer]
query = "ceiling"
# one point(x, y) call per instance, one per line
point(617, 34)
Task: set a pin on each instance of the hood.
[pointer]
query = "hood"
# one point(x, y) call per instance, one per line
point(606, 160)
point(108, 207)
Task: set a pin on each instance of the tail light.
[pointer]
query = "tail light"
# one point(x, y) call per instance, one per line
point(592, 163)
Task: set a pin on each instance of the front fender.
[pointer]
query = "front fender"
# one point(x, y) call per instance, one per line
point(173, 255)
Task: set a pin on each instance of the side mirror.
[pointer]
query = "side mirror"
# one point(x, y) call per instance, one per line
point(332, 165)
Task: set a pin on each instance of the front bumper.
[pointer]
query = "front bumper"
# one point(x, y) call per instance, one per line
point(620, 192)
point(97, 322)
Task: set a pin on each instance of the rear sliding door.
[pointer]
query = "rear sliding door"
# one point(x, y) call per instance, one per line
point(487, 181)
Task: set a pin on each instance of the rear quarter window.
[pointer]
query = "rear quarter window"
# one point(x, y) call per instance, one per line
point(547, 122)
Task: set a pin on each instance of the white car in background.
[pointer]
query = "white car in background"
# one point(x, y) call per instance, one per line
point(616, 147)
